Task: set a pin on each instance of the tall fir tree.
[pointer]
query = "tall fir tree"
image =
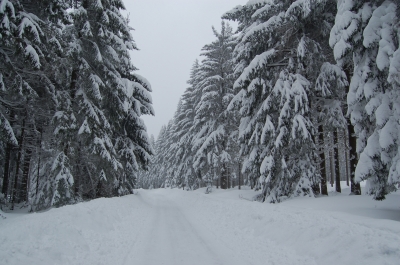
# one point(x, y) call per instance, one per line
point(365, 38)
point(110, 96)
point(30, 48)
point(278, 60)
point(70, 102)
point(212, 122)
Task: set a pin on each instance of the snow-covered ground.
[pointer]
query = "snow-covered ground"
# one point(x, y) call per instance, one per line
point(179, 227)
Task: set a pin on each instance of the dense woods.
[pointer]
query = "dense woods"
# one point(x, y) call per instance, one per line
point(304, 94)
point(70, 103)
point(290, 107)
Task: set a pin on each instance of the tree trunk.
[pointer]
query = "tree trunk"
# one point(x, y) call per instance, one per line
point(316, 181)
point(324, 187)
point(239, 174)
point(332, 167)
point(77, 181)
point(346, 154)
point(38, 167)
point(6, 174)
point(92, 183)
point(229, 180)
point(21, 140)
point(7, 160)
point(355, 187)
point(224, 177)
point(336, 158)
point(25, 173)
point(74, 79)
point(77, 172)
point(218, 181)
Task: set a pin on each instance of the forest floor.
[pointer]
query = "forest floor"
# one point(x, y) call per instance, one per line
point(173, 227)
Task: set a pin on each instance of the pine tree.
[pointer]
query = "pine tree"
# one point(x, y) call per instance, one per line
point(176, 168)
point(330, 89)
point(70, 102)
point(184, 124)
point(282, 47)
point(159, 164)
point(105, 98)
point(212, 122)
point(29, 48)
point(190, 99)
point(164, 155)
point(366, 39)
point(176, 138)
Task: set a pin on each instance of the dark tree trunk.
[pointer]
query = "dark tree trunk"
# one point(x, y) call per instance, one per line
point(229, 180)
point(218, 180)
point(74, 79)
point(38, 167)
point(21, 140)
point(224, 177)
point(239, 174)
point(25, 173)
point(92, 183)
point(355, 187)
point(336, 159)
point(316, 181)
point(7, 160)
point(324, 187)
point(6, 174)
point(77, 179)
point(346, 153)
point(332, 167)
point(99, 189)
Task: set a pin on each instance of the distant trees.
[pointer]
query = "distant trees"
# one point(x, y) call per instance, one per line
point(198, 145)
point(304, 92)
point(213, 124)
point(70, 102)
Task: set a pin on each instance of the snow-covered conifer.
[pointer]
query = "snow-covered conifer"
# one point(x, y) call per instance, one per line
point(187, 131)
point(278, 58)
point(212, 122)
point(107, 94)
point(365, 38)
point(29, 38)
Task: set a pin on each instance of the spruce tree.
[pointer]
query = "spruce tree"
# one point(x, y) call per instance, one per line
point(278, 59)
point(70, 102)
point(365, 38)
point(212, 122)
point(30, 47)
point(108, 95)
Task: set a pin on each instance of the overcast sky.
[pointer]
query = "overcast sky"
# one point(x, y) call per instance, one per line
point(170, 35)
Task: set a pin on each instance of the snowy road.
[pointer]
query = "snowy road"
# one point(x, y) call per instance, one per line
point(173, 238)
point(174, 227)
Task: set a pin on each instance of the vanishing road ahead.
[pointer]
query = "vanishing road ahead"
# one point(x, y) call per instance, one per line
point(176, 227)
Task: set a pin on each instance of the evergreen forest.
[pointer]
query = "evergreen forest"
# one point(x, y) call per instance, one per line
point(303, 94)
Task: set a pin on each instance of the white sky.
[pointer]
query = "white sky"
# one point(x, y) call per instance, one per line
point(170, 35)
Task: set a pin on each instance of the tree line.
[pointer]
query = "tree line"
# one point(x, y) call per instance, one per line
point(70, 103)
point(298, 81)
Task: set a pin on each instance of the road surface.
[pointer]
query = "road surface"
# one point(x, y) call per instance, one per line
point(176, 227)
point(173, 237)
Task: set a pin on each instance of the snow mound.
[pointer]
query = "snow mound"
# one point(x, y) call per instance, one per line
point(167, 226)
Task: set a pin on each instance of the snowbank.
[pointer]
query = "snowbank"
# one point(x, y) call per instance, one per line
point(338, 229)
